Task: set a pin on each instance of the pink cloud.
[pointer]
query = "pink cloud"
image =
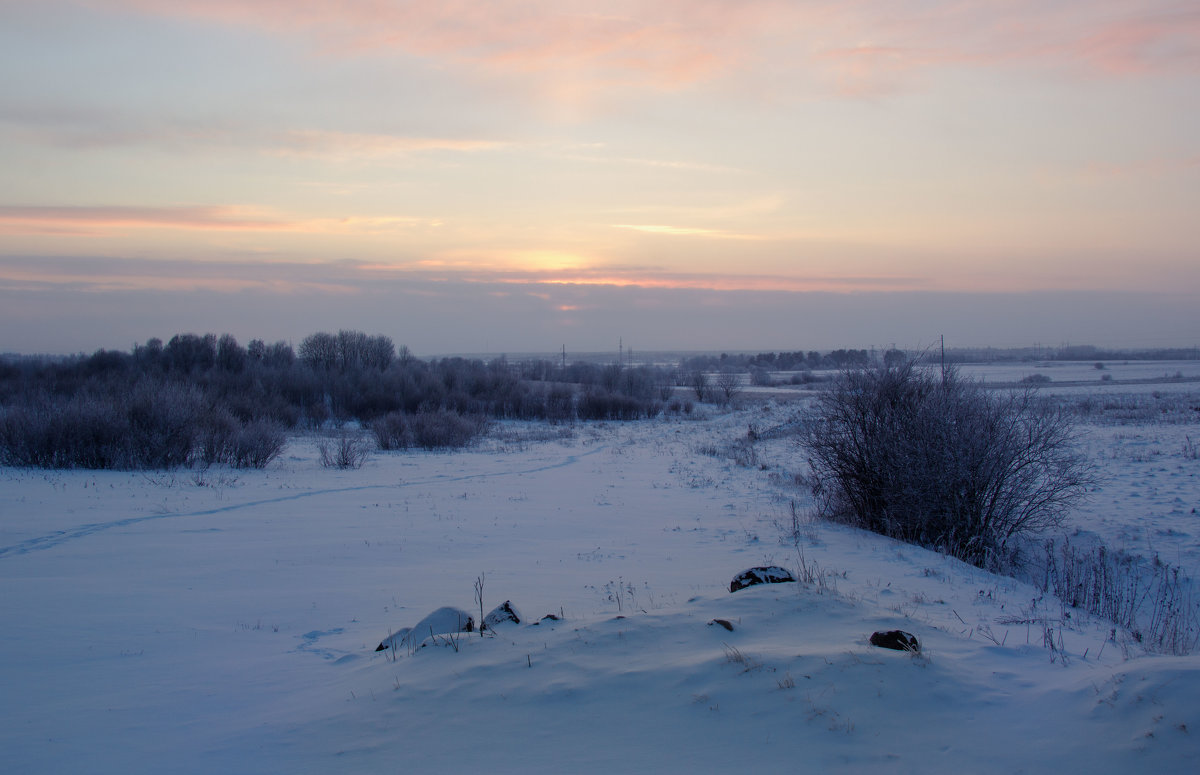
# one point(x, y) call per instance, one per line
point(1093, 37)
point(1170, 42)
point(672, 42)
point(569, 50)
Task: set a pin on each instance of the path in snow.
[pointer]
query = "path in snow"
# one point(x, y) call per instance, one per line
point(63, 536)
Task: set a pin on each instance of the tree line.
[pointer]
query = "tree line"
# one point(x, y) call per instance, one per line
point(206, 398)
point(799, 360)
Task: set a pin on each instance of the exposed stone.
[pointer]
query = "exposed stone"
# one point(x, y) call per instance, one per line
point(771, 574)
point(895, 639)
point(505, 612)
point(722, 623)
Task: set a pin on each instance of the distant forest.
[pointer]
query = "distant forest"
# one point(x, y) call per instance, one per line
point(838, 359)
point(207, 399)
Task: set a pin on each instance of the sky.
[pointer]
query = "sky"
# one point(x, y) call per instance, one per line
point(530, 175)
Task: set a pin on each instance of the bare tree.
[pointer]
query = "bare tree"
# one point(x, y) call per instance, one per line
point(665, 384)
point(729, 384)
point(380, 352)
point(947, 464)
point(188, 352)
point(230, 355)
point(698, 381)
point(279, 355)
point(346, 450)
point(320, 351)
point(351, 349)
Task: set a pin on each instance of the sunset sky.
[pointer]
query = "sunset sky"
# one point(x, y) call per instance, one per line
point(520, 176)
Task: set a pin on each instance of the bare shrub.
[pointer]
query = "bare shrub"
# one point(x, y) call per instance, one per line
point(346, 450)
point(392, 431)
point(164, 422)
point(599, 404)
point(240, 445)
point(560, 404)
point(666, 385)
point(446, 430)
point(680, 407)
point(942, 462)
point(151, 426)
point(428, 429)
point(216, 438)
point(255, 445)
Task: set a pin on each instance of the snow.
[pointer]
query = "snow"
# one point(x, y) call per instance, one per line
point(227, 620)
point(445, 621)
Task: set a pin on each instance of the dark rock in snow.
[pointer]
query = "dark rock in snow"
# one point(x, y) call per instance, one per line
point(505, 612)
point(722, 623)
point(772, 574)
point(895, 639)
point(440, 622)
point(395, 639)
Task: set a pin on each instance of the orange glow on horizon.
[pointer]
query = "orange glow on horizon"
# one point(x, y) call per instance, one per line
point(717, 282)
point(684, 231)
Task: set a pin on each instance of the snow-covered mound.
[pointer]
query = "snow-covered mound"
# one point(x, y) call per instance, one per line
point(443, 621)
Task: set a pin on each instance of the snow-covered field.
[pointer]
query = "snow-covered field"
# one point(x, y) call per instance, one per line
point(1094, 372)
point(226, 621)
